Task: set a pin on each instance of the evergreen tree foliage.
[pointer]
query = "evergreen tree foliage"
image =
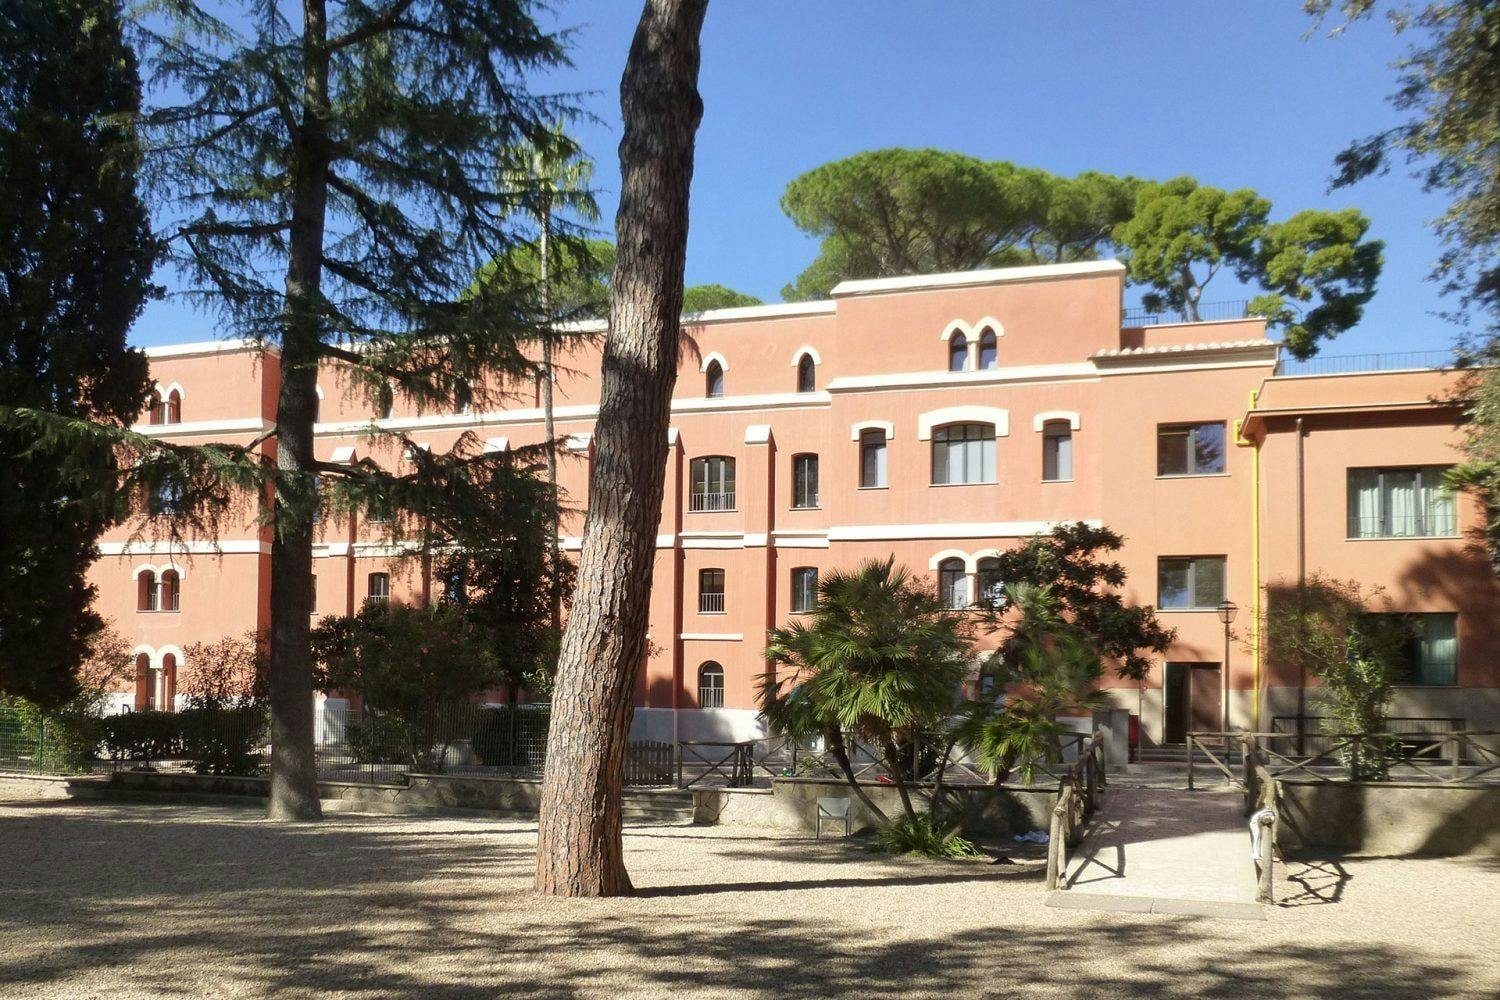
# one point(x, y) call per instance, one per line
point(702, 298)
point(76, 255)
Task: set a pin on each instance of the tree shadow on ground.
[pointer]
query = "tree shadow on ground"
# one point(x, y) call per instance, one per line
point(168, 902)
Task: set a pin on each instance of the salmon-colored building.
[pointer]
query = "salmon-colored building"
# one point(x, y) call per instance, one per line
point(941, 419)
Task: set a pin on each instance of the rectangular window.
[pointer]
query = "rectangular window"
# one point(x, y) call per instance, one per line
point(710, 591)
point(1430, 655)
point(1057, 452)
point(805, 481)
point(379, 588)
point(872, 459)
point(1190, 584)
point(312, 594)
point(804, 588)
point(712, 482)
point(1189, 449)
point(963, 453)
point(1401, 503)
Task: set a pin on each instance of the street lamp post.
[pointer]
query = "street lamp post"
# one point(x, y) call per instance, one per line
point(1227, 610)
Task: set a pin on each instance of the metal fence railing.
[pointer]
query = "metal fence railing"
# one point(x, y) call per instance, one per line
point(1351, 364)
point(1207, 312)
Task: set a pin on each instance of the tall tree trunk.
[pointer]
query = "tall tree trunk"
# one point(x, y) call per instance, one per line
point(294, 778)
point(548, 423)
point(835, 740)
point(579, 846)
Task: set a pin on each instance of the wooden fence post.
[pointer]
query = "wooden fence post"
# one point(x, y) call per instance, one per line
point(1190, 761)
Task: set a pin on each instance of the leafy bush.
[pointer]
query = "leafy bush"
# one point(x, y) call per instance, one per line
point(61, 742)
point(141, 736)
point(378, 739)
point(927, 837)
point(224, 740)
point(496, 744)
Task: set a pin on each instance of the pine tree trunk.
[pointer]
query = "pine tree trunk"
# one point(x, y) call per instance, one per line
point(580, 851)
point(294, 777)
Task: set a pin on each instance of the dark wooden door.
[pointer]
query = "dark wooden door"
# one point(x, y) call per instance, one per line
point(1205, 698)
point(1175, 697)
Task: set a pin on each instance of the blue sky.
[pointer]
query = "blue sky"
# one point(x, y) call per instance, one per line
point(1234, 94)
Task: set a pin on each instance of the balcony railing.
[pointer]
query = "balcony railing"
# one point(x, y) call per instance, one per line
point(711, 603)
point(1434, 524)
point(1349, 364)
point(1207, 312)
point(711, 501)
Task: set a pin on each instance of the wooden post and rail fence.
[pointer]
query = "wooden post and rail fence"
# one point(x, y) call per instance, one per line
point(1078, 793)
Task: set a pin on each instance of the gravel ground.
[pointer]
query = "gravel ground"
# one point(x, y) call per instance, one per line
point(163, 901)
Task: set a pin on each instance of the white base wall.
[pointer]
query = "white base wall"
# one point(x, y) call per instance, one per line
point(724, 725)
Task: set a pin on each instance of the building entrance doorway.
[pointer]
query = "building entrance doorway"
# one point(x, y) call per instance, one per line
point(1190, 700)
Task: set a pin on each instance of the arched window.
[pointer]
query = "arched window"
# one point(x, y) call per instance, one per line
point(958, 353)
point(463, 396)
point(804, 481)
point(710, 591)
point(710, 685)
point(378, 588)
point(145, 591)
point(807, 375)
point(171, 589)
point(963, 453)
point(172, 408)
point(872, 450)
point(712, 481)
point(385, 402)
point(989, 352)
point(166, 684)
point(1057, 451)
point(713, 381)
point(953, 584)
point(144, 682)
point(155, 409)
point(991, 587)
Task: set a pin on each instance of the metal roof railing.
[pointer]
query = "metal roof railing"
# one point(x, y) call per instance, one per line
point(1349, 364)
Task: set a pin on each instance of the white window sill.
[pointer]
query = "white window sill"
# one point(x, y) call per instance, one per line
point(714, 613)
point(1185, 611)
point(1401, 538)
point(1048, 482)
point(730, 510)
point(1192, 475)
point(805, 508)
point(872, 487)
point(987, 482)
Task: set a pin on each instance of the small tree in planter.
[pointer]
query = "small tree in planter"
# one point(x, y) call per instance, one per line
point(1324, 628)
point(414, 667)
point(1046, 667)
point(880, 658)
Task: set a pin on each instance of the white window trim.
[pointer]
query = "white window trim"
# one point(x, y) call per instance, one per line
point(938, 559)
point(806, 350)
point(855, 430)
point(1040, 421)
point(710, 358)
point(963, 415)
point(174, 387)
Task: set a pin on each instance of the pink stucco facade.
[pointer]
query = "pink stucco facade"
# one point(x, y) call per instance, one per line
point(1061, 366)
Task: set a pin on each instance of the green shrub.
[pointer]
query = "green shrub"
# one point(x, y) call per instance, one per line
point(926, 837)
point(496, 744)
point(225, 740)
point(141, 736)
point(61, 742)
point(377, 739)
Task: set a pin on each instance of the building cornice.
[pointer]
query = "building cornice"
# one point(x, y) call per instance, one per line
point(200, 428)
point(205, 348)
point(965, 279)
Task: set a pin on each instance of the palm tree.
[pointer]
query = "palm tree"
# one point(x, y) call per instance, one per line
point(548, 176)
point(1046, 667)
point(880, 658)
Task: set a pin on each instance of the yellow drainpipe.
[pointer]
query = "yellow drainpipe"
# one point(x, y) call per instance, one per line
point(1254, 444)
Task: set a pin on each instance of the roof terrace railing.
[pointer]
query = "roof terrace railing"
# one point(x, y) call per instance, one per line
point(1349, 364)
point(1207, 313)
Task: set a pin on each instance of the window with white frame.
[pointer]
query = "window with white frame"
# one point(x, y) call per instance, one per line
point(1190, 449)
point(1057, 451)
point(171, 590)
point(710, 685)
point(804, 481)
point(1190, 583)
point(989, 351)
point(710, 591)
point(963, 453)
point(958, 353)
point(991, 586)
point(1401, 503)
point(378, 588)
point(804, 589)
point(807, 375)
point(872, 459)
point(712, 483)
point(145, 592)
point(1430, 654)
point(713, 380)
point(953, 583)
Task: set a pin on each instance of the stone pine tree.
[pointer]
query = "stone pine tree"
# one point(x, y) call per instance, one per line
point(579, 846)
point(331, 170)
point(76, 254)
